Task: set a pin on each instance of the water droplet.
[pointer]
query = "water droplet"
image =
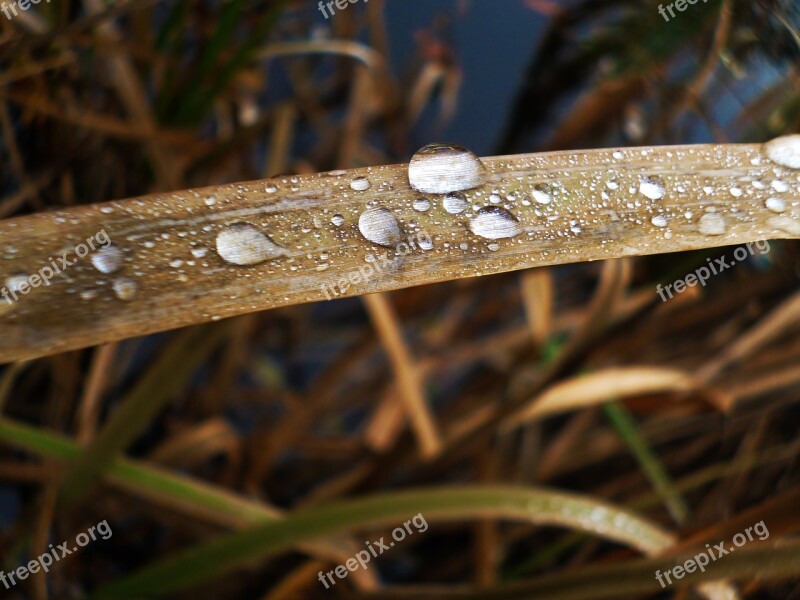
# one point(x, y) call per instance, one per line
point(712, 224)
point(426, 243)
point(176, 263)
point(108, 259)
point(495, 223)
point(422, 204)
point(494, 247)
point(271, 189)
point(445, 168)
point(659, 221)
point(244, 244)
point(736, 192)
point(779, 186)
point(786, 225)
point(199, 252)
point(360, 184)
point(617, 154)
point(337, 220)
point(776, 205)
point(652, 188)
point(542, 194)
point(124, 288)
point(455, 203)
point(612, 185)
point(14, 282)
point(380, 227)
point(210, 201)
point(784, 151)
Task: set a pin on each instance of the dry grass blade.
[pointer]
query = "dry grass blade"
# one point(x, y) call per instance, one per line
point(600, 387)
point(652, 209)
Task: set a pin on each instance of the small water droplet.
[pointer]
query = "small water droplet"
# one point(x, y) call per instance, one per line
point(445, 168)
point(271, 189)
point(199, 252)
point(776, 205)
point(210, 201)
point(652, 188)
point(360, 184)
point(784, 151)
point(495, 223)
point(542, 194)
point(244, 244)
point(337, 220)
point(612, 185)
point(494, 247)
point(617, 154)
point(426, 243)
point(422, 204)
point(380, 227)
point(659, 221)
point(455, 203)
point(107, 210)
point(124, 288)
point(176, 263)
point(108, 259)
point(712, 224)
point(736, 192)
point(779, 186)
point(14, 282)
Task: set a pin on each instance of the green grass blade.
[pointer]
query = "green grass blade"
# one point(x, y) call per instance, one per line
point(539, 506)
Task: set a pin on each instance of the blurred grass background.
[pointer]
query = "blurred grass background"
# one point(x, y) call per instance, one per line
point(228, 425)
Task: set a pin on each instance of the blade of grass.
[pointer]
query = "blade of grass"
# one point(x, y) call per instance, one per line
point(180, 493)
point(539, 506)
point(619, 227)
point(166, 377)
point(625, 425)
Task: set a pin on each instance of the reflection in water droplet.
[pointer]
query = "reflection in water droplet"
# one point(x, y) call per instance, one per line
point(712, 224)
point(337, 220)
point(360, 184)
point(784, 151)
point(108, 260)
point(455, 203)
point(422, 204)
point(659, 221)
point(124, 288)
point(495, 223)
point(652, 188)
point(380, 227)
point(776, 205)
point(244, 244)
point(542, 194)
point(445, 168)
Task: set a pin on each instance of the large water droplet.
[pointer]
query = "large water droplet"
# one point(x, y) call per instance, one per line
point(445, 168)
point(14, 282)
point(776, 205)
point(109, 259)
point(380, 227)
point(495, 223)
point(360, 184)
point(244, 244)
point(542, 194)
point(455, 203)
point(422, 204)
point(784, 151)
point(659, 221)
point(652, 188)
point(712, 224)
point(124, 288)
